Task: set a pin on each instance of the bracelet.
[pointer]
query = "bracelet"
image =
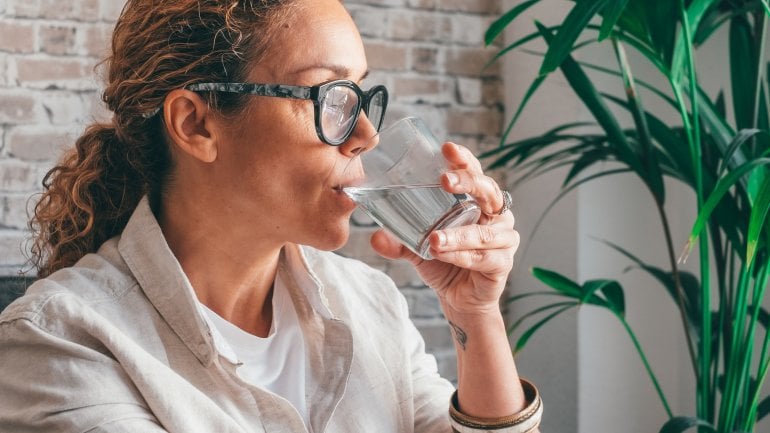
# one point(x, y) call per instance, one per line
point(526, 421)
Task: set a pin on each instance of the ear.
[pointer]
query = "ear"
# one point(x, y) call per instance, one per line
point(190, 125)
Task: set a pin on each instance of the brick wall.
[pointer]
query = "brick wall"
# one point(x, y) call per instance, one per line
point(429, 53)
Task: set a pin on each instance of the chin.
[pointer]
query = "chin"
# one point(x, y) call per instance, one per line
point(332, 240)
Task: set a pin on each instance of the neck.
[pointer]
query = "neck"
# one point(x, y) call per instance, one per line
point(231, 274)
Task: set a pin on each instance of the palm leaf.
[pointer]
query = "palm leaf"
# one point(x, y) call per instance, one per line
point(521, 296)
point(652, 176)
point(585, 89)
point(530, 91)
point(572, 26)
point(679, 424)
point(612, 292)
point(672, 148)
point(662, 33)
point(633, 20)
point(516, 44)
point(536, 311)
point(586, 160)
point(739, 140)
point(522, 341)
point(720, 190)
point(558, 282)
point(757, 222)
point(743, 67)
point(501, 23)
point(612, 13)
point(764, 406)
point(695, 13)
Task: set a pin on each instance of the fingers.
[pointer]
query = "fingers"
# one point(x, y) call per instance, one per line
point(389, 247)
point(479, 247)
point(459, 157)
point(467, 177)
point(482, 188)
point(474, 237)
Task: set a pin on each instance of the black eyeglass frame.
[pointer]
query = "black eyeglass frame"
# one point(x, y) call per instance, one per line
point(312, 93)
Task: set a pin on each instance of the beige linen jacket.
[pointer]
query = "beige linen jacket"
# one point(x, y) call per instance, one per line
point(116, 343)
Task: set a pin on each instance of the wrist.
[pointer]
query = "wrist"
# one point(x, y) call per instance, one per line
point(477, 328)
point(488, 313)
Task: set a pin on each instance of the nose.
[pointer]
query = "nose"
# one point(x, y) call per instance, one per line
point(363, 138)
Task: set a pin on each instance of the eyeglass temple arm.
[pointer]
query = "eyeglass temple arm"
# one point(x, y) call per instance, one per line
point(277, 90)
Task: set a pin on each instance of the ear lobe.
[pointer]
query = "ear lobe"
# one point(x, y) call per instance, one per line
point(189, 124)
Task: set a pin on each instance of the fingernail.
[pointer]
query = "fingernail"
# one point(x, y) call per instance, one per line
point(441, 238)
point(452, 178)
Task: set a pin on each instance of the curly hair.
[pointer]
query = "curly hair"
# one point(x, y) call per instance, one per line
point(157, 46)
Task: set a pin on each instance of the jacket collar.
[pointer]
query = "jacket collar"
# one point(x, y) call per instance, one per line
point(153, 264)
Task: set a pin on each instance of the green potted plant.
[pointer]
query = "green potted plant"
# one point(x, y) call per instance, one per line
point(719, 148)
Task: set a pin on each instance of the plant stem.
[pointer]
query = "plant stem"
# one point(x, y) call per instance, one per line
point(761, 20)
point(704, 379)
point(748, 345)
point(647, 366)
point(677, 283)
point(763, 364)
point(730, 395)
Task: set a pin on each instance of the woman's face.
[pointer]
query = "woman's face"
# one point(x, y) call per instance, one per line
point(279, 180)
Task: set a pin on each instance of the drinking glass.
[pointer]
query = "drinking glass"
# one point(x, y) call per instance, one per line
point(401, 188)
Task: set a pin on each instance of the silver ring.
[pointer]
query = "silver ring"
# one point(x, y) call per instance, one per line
point(507, 202)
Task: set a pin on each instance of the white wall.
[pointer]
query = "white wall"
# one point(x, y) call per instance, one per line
point(590, 375)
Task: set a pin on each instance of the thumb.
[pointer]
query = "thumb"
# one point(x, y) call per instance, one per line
point(386, 245)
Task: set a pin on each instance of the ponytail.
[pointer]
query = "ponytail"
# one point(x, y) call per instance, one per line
point(87, 199)
point(90, 195)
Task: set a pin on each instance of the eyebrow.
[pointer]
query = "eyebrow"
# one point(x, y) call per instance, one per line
point(340, 70)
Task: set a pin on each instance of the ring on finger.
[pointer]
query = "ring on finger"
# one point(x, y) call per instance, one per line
point(507, 202)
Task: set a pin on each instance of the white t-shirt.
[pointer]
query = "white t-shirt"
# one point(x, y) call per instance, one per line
point(276, 362)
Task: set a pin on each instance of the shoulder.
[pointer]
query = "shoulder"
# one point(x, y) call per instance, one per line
point(96, 279)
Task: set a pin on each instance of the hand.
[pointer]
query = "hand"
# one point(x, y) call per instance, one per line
point(471, 263)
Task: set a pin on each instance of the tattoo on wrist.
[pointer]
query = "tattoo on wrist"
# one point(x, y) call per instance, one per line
point(460, 335)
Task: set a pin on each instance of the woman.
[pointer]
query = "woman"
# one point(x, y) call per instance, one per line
point(186, 285)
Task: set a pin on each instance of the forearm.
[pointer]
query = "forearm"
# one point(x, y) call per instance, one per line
point(488, 383)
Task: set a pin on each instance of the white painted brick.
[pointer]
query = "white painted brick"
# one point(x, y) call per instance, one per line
point(14, 211)
point(94, 108)
point(64, 108)
point(404, 274)
point(110, 9)
point(372, 22)
point(435, 332)
point(35, 143)
point(3, 70)
point(17, 176)
point(358, 247)
point(470, 91)
point(23, 8)
point(469, 29)
point(44, 72)
point(423, 90)
point(12, 243)
point(390, 3)
point(423, 4)
point(18, 106)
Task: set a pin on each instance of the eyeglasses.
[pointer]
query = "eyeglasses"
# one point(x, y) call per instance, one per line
point(337, 103)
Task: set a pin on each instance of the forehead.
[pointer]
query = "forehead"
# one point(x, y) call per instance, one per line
point(318, 33)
